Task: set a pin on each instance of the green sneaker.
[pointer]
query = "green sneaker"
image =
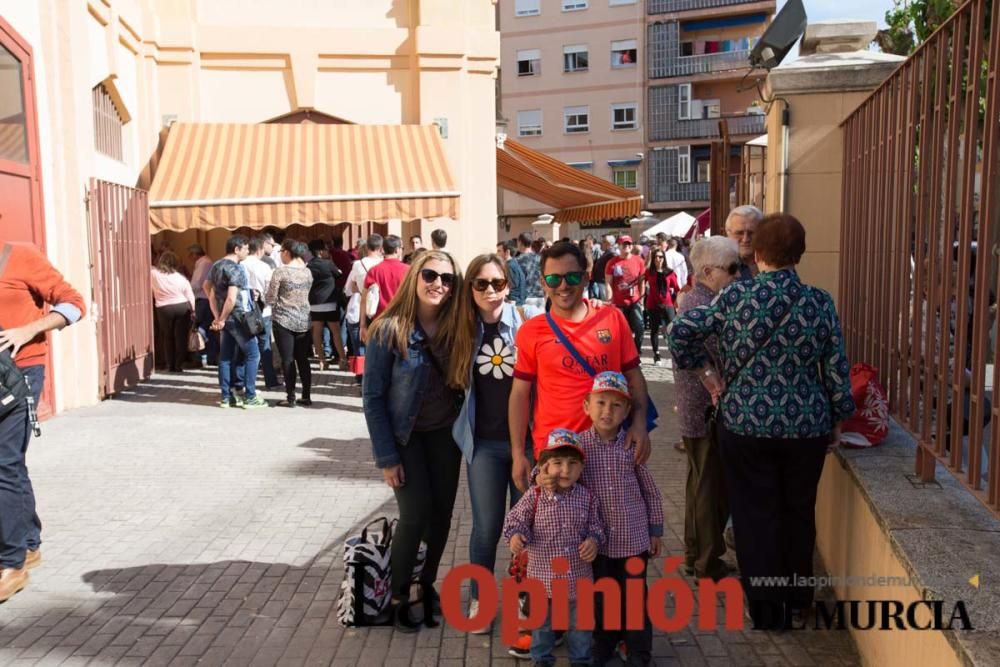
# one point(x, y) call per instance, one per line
point(236, 401)
point(255, 402)
point(225, 404)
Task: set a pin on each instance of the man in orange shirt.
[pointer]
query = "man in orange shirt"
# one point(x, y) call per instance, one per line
point(598, 332)
point(27, 282)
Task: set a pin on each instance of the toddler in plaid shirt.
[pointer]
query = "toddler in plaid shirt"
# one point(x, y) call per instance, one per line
point(562, 520)
point(631, 509)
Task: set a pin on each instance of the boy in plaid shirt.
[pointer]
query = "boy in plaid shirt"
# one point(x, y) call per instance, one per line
point(631, 509)
point(562, 520)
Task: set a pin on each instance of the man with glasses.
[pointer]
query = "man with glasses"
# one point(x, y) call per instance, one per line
point(600, 335)
point(740, 227)
point(625, 275)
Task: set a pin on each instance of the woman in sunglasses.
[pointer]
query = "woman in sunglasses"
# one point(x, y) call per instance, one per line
point(482, 431)
point(661, 291)
point(416, 369)
point(715, 261)
point(781, 383)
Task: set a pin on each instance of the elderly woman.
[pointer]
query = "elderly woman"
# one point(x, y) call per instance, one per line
point(782, 388)
point(706, 509)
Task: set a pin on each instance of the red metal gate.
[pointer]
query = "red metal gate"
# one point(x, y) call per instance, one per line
point(123, 300)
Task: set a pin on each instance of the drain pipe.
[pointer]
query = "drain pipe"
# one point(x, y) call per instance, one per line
point(785, 116)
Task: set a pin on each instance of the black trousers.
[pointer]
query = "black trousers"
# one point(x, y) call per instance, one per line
point(174, 322)
point(706, 508)
point(772, 495)
point(293, 347)
point(660, 316)
point(639, 642)
point(633, 314)
point(431, 465)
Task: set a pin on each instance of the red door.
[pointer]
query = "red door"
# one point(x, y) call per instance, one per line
point(21, 216)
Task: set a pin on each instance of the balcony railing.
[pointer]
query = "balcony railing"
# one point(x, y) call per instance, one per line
point(707, 63)
point(668, 192)
point(671, 6)
point(707, 128)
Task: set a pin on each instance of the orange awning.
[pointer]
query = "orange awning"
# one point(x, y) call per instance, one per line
point(231, 175)
point(576, 195)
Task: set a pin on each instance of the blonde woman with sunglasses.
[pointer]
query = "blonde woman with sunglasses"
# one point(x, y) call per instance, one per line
point(416, 370)
point(482, 431)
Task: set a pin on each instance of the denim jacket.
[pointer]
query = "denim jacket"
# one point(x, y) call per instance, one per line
point(391, 392)
point(464, 429)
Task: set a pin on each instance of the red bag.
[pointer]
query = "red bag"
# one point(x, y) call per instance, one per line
point(869, 425)
point(356, 365)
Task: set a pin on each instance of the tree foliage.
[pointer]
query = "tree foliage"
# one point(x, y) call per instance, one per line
point(910, 22)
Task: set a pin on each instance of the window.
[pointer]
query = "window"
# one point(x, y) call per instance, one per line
point(573, 5)
point(529, 62)
point(576, 58)
point(623, 53)
point(625, 178)
point(529, 123)
point(683, 164)
point(705, 171)
point(711, 108)
point(13, 125)
point(684, 101)
point(107, 124)
point(527, 7)
point(576, 119)
point(624, 116)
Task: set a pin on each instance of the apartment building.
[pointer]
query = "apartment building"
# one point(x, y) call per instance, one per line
point(697, 54)
point(572, 78)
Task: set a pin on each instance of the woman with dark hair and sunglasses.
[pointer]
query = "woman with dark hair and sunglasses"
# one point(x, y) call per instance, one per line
point(416, 370)
point(661, 287)
point(716, 261)
point(781, 383)
point(482, 430)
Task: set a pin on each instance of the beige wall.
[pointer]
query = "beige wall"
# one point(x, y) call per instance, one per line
point(851, 543)
point(380, 61)
point(598, 88)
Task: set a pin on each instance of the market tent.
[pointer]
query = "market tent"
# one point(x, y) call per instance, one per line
point(575, 195)
point(227, 176)
point(676, 225)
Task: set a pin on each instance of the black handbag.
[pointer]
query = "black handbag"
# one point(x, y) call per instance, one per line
point(251, 320)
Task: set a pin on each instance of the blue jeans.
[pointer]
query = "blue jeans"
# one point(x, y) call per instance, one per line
point(235, 338)
point(489, 481)
point(20, 528)
point(543, 640)
point(354, 332)
point(266, 355)
point(204, 317)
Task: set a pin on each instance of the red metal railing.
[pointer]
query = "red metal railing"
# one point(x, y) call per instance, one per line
point(920, 232)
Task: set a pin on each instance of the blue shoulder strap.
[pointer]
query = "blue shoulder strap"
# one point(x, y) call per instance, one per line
point(569, 346)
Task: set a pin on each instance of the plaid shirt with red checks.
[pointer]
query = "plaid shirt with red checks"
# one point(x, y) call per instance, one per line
point(553, 525)
point(631, 505)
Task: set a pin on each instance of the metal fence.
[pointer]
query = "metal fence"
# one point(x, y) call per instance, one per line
point(920, 232)
point(123, 299)
point(663, 55)
point(671, 6)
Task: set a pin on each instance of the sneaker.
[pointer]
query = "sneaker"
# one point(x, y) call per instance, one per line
point(521, 648)
point(236, 401)
point(658, 363)
point(255, 402)
point(623, 652)
point(226, 403)
point(474, 611)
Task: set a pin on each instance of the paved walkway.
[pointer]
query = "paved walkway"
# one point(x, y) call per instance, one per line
point(180, 533)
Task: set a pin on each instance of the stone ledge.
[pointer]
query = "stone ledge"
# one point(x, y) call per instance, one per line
point(941, 535)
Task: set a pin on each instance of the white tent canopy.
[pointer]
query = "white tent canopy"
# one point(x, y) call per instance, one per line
point(675, 225)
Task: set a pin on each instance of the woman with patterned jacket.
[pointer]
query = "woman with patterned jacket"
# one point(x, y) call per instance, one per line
point(781, 392)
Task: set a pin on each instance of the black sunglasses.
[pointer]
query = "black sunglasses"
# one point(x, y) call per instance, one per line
point(480, 284)
point(573, 278)
point(430, 275)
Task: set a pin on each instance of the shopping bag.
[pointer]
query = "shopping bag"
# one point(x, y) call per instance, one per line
point(196, 342)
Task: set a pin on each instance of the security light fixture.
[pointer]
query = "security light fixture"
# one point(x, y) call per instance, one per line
point(779, 38)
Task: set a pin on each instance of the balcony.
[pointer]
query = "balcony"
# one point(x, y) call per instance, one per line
point(665, 60)
point(708, 128)
point(668, 192)
point(672, 6)
point(708, 63)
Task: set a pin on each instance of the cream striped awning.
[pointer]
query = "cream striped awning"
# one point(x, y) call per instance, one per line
point(234, 175)
point(576, 195)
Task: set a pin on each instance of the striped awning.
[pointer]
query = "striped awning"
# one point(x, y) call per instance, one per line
point(241, 175)
point(575, 195)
